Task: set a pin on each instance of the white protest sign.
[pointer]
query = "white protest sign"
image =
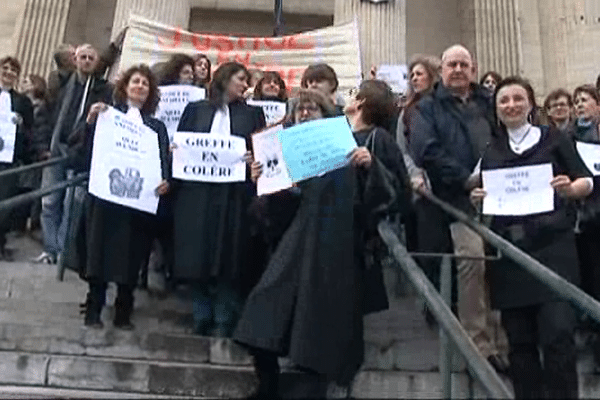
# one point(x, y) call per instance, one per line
point(8, 133)
point(125, 162)
point(518, 191)
point(274, 110)
point(173, 99)
point(205, 157)
point(267, 150)
point(394, 75)
point(590, 154)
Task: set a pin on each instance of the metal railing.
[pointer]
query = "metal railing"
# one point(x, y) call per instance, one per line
point(37, 165)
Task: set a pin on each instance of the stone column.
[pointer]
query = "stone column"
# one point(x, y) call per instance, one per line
point(497, 36)
point(39, 31)
point(382, 29)
point(169, 12)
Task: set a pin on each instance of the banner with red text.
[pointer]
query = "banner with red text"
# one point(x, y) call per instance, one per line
point(150, 42)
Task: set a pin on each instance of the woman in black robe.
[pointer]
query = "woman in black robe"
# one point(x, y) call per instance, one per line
point(310, 301)
point(118, 238)
point(533, 315)
point(210, 219)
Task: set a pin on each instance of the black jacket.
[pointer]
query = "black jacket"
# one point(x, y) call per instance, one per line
point(22, 106)
point(441, 143)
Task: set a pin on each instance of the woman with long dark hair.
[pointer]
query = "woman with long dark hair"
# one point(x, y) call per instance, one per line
point(210, 219)
point(535, 317)
point(179, 70)
point(202, 70)
point(117, 238)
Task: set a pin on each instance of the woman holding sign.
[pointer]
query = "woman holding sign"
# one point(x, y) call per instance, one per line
point(310, 301)
point(532, 314)
point(210, 218)
point(117, 239)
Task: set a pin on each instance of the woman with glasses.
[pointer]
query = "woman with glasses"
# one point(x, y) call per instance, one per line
point(559, 106)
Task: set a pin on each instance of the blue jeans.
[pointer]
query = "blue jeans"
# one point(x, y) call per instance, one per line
point(216, 302)
point(54, 215)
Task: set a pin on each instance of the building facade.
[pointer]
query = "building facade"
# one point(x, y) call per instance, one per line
point(552, 42)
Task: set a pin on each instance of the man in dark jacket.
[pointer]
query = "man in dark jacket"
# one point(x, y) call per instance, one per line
point(450, 131)
point(79, 91)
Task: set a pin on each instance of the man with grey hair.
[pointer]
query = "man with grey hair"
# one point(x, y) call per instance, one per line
point(449, 133)
point(78, 93)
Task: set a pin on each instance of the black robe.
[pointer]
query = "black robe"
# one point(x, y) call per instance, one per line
point(547, 237)
point(309, 303)
point(112, 241)
point(210, 219)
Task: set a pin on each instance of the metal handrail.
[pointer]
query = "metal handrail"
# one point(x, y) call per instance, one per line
point(37, 165)
point(478, 365)
point(558, 284)
point(35, 194)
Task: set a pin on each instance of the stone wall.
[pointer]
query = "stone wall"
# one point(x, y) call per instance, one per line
point(8, 20)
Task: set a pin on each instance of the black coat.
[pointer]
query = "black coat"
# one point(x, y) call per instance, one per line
point(547, 237)
point(113, 240)
point(309, 303)
point(440, 142)
point(589, 209)
point(210, 219)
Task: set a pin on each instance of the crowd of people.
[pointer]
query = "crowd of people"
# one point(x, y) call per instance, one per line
point(293, 272)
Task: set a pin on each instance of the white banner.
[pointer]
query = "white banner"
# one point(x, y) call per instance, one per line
point(274, 110)
point(125, 162)
point(8, 134)
point(267, 151)
point(590, 154)
point(394, 75)
point(173, 99)
point(518, 191)
point(205, 157)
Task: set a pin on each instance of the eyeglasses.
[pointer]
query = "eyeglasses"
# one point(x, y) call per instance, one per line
point(309, 108)
point(558, 105)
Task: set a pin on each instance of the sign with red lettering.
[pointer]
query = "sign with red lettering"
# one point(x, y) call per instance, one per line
point(150, 42)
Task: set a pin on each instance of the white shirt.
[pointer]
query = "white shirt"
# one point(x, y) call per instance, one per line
point(5, 102)
point(134, 113)
point(523, 138)
point(221, 124)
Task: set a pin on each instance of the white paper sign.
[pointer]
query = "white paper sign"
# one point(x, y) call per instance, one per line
point(394, 75)
point(267, 150)
point(518, 191)
point(590, 154)
point(274, 110)
point(173, 99)
point(8, 133)
point(125, 162)
point(205, 157)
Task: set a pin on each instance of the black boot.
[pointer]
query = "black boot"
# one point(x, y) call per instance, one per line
point(92, 308)
point(123, 309)
point(267, 372)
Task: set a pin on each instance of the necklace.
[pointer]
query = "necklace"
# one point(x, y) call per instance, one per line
point(517, 144)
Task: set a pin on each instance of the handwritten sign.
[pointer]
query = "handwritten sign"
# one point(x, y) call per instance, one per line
point(316, 147)
point(151, 42)
point(267, 151)
point(205, 157)
point(125, 162)
point(518, 191)
point(274, 110)
point(173, 99)
point(394, 75)
point(8, 134)
point(590, 154)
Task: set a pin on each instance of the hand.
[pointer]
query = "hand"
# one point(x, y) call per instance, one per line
point(476, 196)
point(248, 158)
point(44, 155)
point(17, 119)
point(473, 181)
point(418, 183)
point(373, 72)
point(256, 169)
point(562, 185)
point(172, 147)
point(95, 109)
point(361, 157)
point(163, 188)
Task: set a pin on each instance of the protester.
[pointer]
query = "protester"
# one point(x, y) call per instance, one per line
point(65, 60)
point(295, 311)
point(587, 227)
point(448, 133)
point(79, 92)
point(202, 70)
point(270, 87)
point(210, 219)
point(118, 238)
point(490, 80)
point(179, 70)
point(558, 106)
point(534, 316)
point(323, 78)
point(37, 147)
point(18, 110)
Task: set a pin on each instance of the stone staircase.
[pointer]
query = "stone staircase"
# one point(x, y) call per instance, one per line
point(45, 352)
